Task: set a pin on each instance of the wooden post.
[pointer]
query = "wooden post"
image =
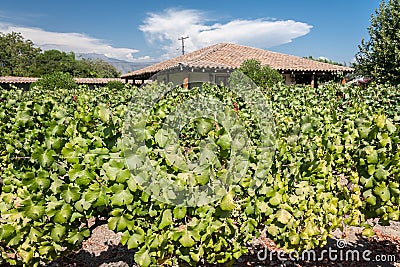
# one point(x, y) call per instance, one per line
point(312, 81)
point(185, 83)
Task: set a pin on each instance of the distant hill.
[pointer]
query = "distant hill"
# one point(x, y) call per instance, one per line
point(121, 65)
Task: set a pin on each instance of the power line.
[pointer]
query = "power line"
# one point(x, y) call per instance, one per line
point(183, 43)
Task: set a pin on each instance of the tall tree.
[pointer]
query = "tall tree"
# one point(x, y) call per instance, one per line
point(16, 55)
point(57, 61)
point(263, 76)
point(379, 57)
point(53, 61)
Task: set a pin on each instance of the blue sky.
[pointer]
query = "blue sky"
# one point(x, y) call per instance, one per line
point(148, 30)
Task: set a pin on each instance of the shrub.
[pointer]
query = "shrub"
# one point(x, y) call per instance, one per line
point(55, 80)
point(118, 85)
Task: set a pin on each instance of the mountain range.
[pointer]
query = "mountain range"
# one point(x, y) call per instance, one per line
point(121, 65)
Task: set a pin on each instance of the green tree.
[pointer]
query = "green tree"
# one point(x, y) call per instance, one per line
point(100, 68)
point(263, 76)
point(16, 55)
point(379, 57)
point(54, 60)
point(19, 57)
point(57, 61)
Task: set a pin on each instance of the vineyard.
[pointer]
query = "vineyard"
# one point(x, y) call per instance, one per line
point(336, 162)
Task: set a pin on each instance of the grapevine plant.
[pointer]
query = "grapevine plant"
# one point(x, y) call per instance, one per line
point(62, 161)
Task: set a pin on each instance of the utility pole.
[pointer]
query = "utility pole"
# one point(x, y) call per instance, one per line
point(183, 43)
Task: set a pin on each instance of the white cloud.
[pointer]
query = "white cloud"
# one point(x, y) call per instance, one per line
point(69, 41)
point(324, 58)
point(168, 26)
point(144, 59)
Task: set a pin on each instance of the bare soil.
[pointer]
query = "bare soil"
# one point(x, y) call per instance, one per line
point(102, 249)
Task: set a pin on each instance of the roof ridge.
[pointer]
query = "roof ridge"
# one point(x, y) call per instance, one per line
point(208, 50)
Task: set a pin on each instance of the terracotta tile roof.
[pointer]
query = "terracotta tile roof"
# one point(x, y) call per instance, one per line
point(13, 80)
point(231, 56)
point(97, 80)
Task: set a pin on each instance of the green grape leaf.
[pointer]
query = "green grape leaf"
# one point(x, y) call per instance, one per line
point(142, 257)
point(57, 232)
point(369, 197)
point(390, 126)
point(227, 202)
point(161, 137)
point(166, 219)
point(123, 176)
point(63, 215)
point(273, 230)
point(34, 212)
point(203, 126)
point(136, 238)
point(78, 236)
point(82, 205)
point(224, 142)
point(71, 194)
point(6, 231)
point(276, 199)
point(383, 192)
point(381, 174)
point(104, 114)
point(179, 212)
point(283, 216)
point(122, 198)
point(187, 240)
point(380, 121)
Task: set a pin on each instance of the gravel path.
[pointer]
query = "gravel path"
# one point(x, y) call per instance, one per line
point(102, 249)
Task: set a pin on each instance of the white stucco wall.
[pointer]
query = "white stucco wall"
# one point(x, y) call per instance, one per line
point(178, 77)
